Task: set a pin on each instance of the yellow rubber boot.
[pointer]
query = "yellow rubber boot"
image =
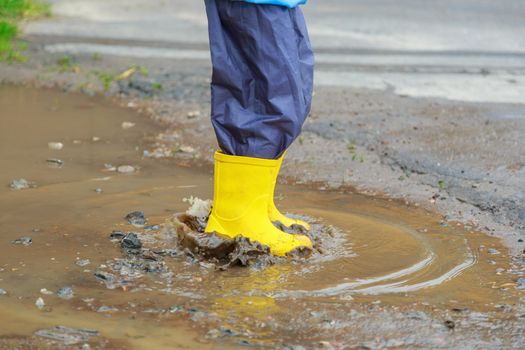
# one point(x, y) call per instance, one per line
point(240, 203)
point(273, 213)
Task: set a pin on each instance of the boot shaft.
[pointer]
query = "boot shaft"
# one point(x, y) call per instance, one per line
point(241, 182)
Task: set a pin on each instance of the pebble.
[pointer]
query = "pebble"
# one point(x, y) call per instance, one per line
point(40, 303)
point(26, 240)
point(450, 324)
point(20, 184)
point(55, 145)
point(125, 169)
point(3, 291)
point(186, 149)
point(45, 291)
point(117, 235)
point(136, 218)
point(493, 251)
point(83, 262)
point(127, 125)
point(521, 283)
point(105, 308)
point(98, 190)
point(193, 114)
point(65, 293)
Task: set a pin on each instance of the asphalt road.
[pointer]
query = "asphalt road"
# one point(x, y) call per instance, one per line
point(468, 50)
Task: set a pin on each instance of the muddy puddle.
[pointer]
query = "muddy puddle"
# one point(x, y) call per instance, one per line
point(83, 165)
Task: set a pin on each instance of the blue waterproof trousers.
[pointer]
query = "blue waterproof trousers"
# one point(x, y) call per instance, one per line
point(262, 76)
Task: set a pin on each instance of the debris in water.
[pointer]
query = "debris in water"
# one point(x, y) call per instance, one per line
point(126, 169)
point(55, 163)
point(26, 240)
point(40, 303)
point(21, 184)
point(136, 218)
point(57, 146)
point(66, 335)
point(200, 210)
point(223, 251)
point(83, 262)
point(65, 293)
point(112, 281)
point(127, 125)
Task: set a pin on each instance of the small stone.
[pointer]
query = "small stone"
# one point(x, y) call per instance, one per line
point(45, 291)
point(3, 291)
point(450, 324)
point(131, 241)
point(193, 114)
point(40, 303)
point(21, 184)
point(213, 334)
point(105, 308)
point(521, 283)
point(65, 293)
point(95, 138)
point(26, 240)
point(127, 125)
point(98, 190)
point(83, 262)
point(136, 218)
point(117, 235)
point(57, 146)
point(125, 169)
point(493, 251)
point(326, 345)
point(186, 149)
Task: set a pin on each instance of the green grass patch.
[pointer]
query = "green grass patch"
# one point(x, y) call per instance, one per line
point(11, 13)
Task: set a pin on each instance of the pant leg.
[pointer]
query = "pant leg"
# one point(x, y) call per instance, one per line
point(262, 77)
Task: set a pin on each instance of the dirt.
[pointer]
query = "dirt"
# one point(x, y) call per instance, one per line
point(386, 274)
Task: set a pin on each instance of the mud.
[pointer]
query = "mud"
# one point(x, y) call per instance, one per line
point(384, 273)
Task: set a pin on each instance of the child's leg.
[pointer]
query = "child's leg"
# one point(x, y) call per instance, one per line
point(262, 76)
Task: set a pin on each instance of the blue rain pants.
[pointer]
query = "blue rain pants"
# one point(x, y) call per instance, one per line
point(262, 77)
point(287, 3)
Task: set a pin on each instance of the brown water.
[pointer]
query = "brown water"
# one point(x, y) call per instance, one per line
point(382, 251)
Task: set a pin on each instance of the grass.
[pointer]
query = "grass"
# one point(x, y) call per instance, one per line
point(11, 13)
point(353, 151)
